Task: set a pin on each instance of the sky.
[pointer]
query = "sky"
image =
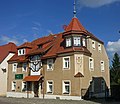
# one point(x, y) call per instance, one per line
point(27, 20)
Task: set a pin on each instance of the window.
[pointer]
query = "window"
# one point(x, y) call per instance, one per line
point(21, 52)
point(102, 85)
point(68, 42)
point(49, 86)
point(66, 62)
point(66, 87)
point(102, 65)
point(50, 64)
point(24, 67)
point(93, 44)
point(24, 86)
point(84, 42)
point(99, 47)
point(14, 67)
point(92, 86)
point(77, 41)
point(91, 64)
point(13, 86)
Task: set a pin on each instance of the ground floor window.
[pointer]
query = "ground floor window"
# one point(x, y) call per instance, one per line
point(13, 86)
point(49, 86)
point(66, 87)
point(24, 86)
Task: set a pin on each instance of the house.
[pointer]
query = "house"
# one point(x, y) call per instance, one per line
point(69, 65)
point(6, 52)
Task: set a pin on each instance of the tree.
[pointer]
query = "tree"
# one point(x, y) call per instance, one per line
point(115, 70)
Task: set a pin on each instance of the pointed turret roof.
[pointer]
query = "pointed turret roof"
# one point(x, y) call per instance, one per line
point(75, 25)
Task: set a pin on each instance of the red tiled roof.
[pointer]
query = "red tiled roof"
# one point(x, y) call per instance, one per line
point(6, 49)
point(75, 25)
point(32, 78)
point(25, 45)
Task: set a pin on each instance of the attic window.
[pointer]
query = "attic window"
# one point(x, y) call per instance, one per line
point(21, 52)
point(68, 42)
point(40, 46)
point(77, 41)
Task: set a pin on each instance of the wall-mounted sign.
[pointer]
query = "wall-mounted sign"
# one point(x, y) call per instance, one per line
point(18, 76)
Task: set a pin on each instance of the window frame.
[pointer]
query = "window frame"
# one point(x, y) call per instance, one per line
point(21, 52)
point(23, 86)
point(102, 65)
point(99, 47)
point(23, 69)
point(64, 91)
point(91, 64)
point(48, 85)
point(13, 86)
point(77, 41)
point(68, 42)
point(48, 63)
point(64, 62)
point(14, 68)
point(93, 44)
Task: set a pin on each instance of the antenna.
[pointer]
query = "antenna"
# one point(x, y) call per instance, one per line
point(74, 12)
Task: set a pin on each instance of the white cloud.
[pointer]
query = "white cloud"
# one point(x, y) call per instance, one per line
point(95, 3)
point(5, 39)
point(113, 47)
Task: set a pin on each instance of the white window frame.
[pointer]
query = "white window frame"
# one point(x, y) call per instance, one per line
point(68, 63)
point(102, 65)
point(24, 69)
point(50, 62)
point(21, 52)
point(64, 91)
point(93, 44)
point(91, 64)
point(14, 67)
point(49, 91)
point(23, 86)
point(68, 42)
point(99, 47)
point(13, 86)
point(84, 42)
point(77, 41)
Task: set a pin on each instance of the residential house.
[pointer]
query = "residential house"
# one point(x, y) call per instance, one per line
point(69, 65)
point(6, 52)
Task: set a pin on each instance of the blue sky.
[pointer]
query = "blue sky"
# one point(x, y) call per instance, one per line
point(26, 20)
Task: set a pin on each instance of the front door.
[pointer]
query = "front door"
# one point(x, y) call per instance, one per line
point(36, 89)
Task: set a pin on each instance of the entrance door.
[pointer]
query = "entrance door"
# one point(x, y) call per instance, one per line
point(36, 89)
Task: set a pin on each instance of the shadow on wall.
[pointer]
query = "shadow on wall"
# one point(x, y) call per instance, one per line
point(97, 89)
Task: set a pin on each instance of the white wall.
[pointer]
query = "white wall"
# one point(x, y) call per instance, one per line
point(3, 75)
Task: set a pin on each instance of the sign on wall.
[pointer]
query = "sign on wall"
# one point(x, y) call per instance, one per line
point(18, 76)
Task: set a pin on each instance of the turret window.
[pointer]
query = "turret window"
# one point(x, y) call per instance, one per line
point(84, 42)
point(77, 41)
point(68, 42)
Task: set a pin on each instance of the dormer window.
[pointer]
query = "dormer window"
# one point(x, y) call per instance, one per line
point(84, 42)
point(21, 52)
point(77, 41)
point(68, 42)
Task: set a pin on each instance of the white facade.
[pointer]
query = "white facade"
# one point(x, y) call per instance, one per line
point(3, 75)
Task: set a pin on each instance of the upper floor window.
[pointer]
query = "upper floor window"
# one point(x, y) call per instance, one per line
point(21, 52)
point(49, 86)
point(84, 42)
point(91, 64)
point(14, 67)
point(50, 64)
point(99, 47)
point(66, 87)
point(77, 41)
point(68, 42)
point(24, 67)
point(93, 44)
point(102, 65)
point(66, 62)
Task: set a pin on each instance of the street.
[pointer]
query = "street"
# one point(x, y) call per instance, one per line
point(4, 100)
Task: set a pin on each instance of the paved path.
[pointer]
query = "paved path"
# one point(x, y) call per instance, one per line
point(4, 100)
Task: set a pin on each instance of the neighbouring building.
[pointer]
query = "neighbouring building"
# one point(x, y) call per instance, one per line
point(69, 65)
point(6, 52)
